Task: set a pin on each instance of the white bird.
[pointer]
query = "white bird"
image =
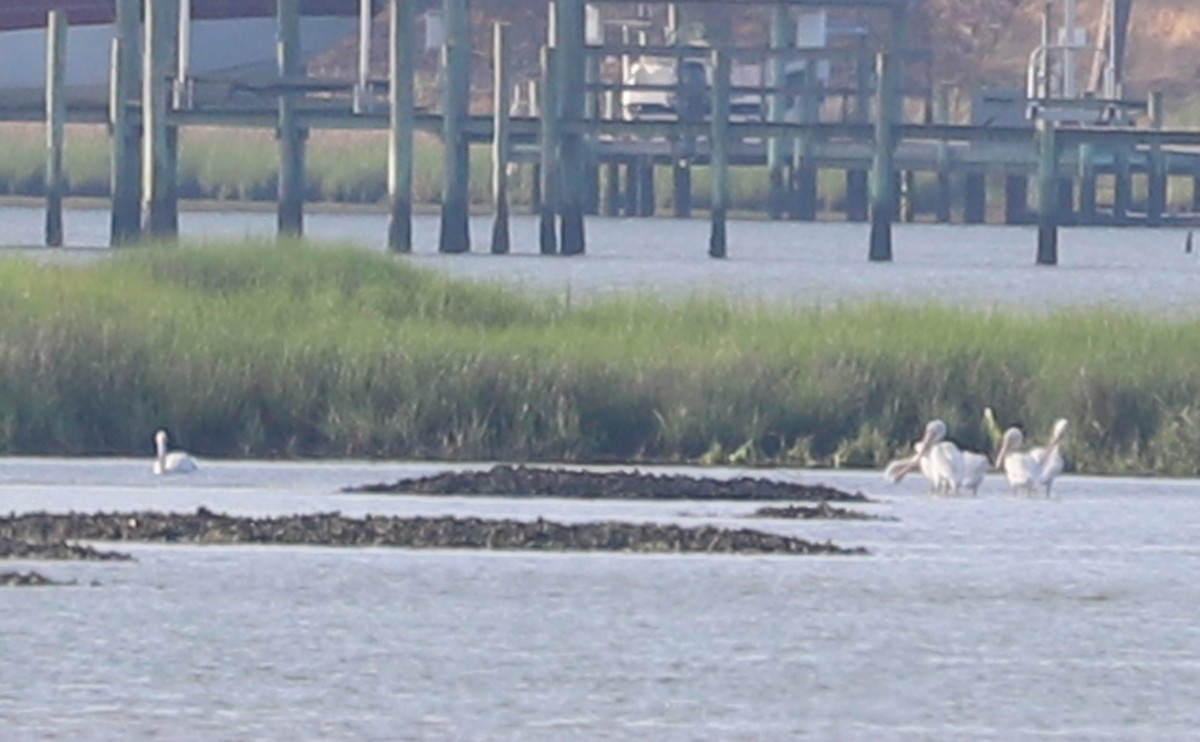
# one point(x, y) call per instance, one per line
point(1025, 471)
point(939, 460)
point(1051, 459)
point(974, 467)
point(173, 462)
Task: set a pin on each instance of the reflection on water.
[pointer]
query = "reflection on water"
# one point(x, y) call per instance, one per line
point(792, 261)
point(985, 618)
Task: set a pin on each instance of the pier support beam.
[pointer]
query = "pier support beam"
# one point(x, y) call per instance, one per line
point(572, 73)
point(1156, 169)
point(975, 198)
point(1016, 199)
point(56, 115)
point(290, 214)
point(1121, 185)
point(160, 218)
point(401, 117)
point(1087, 184)
point(804, 171)
point(719, 159)
point(548, 157)
point(856, 180)
point(1048, 193)
point(455, 235)
point(781, 37)
point(500, 126)
point(611, 202)
point(883, 198)
point(125, 164)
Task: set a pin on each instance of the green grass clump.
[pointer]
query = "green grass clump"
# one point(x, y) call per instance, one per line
point(260, 349)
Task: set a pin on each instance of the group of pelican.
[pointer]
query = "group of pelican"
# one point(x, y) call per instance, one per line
point(951, 470)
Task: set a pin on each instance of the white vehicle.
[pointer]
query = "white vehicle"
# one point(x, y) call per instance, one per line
point(689, 94)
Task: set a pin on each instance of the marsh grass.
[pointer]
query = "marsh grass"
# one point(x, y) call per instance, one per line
point(264, 350)
point(350, 167)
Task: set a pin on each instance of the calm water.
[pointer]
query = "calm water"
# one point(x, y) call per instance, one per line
point(987, 618)
point(822, 263)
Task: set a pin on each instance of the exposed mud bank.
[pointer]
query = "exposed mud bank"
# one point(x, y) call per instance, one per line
point(32, 545)
point(527, 481)
point(28, 579)
point(821, 511)
point(333, 529)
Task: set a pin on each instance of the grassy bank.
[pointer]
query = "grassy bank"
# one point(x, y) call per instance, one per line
point(336, 352)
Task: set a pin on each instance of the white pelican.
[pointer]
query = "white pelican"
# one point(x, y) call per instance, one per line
point(974, 467)
point(1025, 471)
point(939, 460)
point(173, 462)
point(1051, 459)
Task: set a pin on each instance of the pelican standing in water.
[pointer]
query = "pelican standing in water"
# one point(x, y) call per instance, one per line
point(1025, 471)
point(170, 462)
point(974, 467)
point(1051, 459)
point(939, 460)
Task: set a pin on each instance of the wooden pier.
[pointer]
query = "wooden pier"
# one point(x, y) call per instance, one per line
point(893, 125)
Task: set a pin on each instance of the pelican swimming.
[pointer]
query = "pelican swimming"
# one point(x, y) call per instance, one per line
point(173, 462)
point(939, 460)
point(1025, 471)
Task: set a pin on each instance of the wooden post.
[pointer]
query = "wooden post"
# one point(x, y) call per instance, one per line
point(500, 98)
point(719, 153)
point(182, 88)
point(1196, 189)
point(401, 68)
point(1087, 184)
point(290, 214)
point(455, 235)
point(1016, 198)
point(687, 111)
point(647, 200)
point(612, 168)
point(882, 169)
point(804, 172)
point(781, 36)
point(856, 180)
point(908, 195)
point(941, 115)
point(125, 165)
point(1048, 194)
point(159, 217)
point(1156, 172)
point(362, 82)
point(535, 111)
point(975, 198)
point(569, 28)
point(1121, 185)
point(547, 233)
point(56, 114)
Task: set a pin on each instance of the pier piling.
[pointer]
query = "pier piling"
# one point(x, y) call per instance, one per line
point(719, 148)
point(56, 115)
point(290, 214)
point(125, 161)
point(455, 234)
point(401, 55)
point(1048, 193)
point(500, 125)
point(883, 170)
